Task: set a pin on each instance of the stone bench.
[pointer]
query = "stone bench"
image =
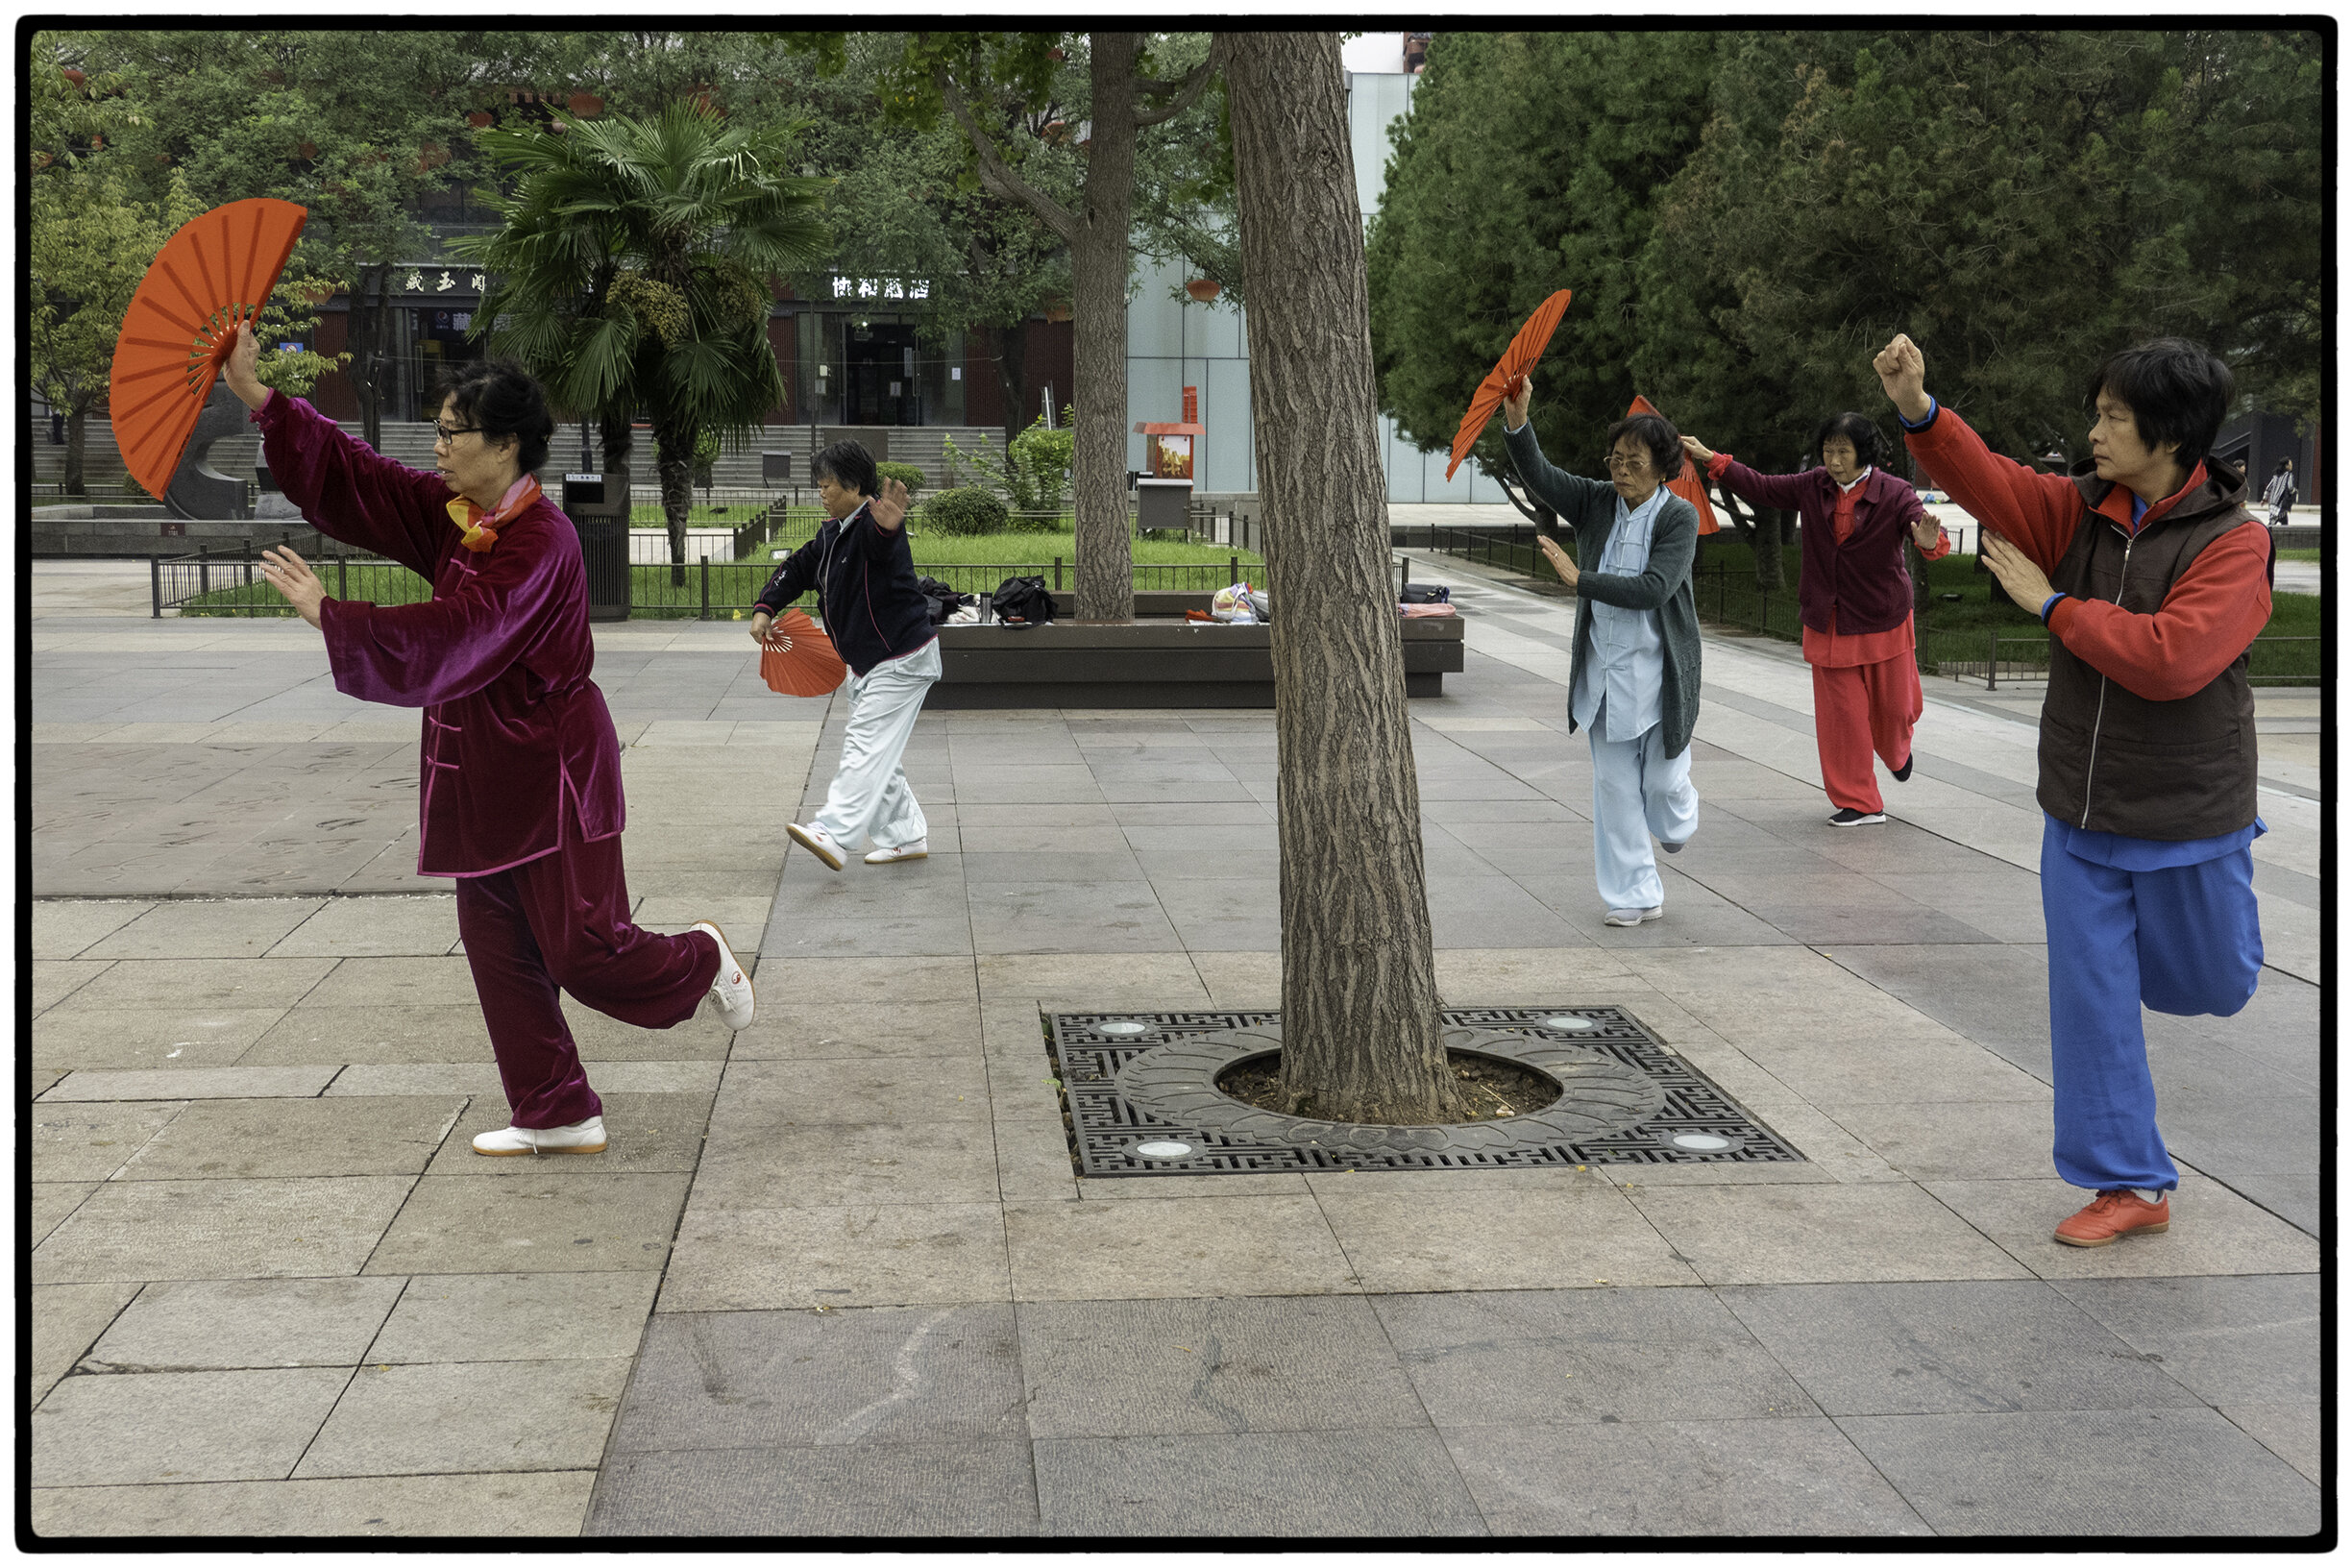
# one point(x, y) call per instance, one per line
point(1142, 663)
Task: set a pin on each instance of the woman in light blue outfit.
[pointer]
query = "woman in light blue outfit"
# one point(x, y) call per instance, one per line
point(1634, 683)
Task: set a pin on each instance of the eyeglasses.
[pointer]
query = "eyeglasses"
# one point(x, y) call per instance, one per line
point(445, 433)
point(1629, 464)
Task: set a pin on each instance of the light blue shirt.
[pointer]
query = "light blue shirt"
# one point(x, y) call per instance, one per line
point(1623, 672)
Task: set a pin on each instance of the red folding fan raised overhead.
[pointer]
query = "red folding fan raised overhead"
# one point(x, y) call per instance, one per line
point(798, 658)
point(1503, 380)
point(210, 278)
point(1685, 484)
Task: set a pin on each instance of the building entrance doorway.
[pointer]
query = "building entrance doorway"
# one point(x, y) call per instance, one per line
point(441, 342)
point(883, 387)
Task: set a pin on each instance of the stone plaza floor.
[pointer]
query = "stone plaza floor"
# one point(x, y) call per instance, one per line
point(836, 1277)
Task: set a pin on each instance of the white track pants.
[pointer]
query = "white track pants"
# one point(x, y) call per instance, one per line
point(870, 793)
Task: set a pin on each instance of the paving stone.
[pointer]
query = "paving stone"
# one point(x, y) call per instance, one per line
point(2293, 1198)
point(2214, 1232)
point(66, 1321)
point(753, 1162)
point(643, 1133)
point(1073, 982)
point(1294, 1364)
point(53, 980)
point(180, 1426)
point(1800, 1233)
point(553, 1220)
point(1828, 1068)
point(371, 1080)
point(193, 1084)
point(860, 1029)
point(1397, 1483)
point(1250, 1246)
point(854, 981)
point(2104, 1473)
point(979, 1488)
point(2250, 1340)
point(88, 1142)
point(373, 1035)
point(880, 1377)
point(1534, 1239)
point(392, 982)
point(347, 928)
point(1951, 1347)
point(357, 1137)
point(220, 1228)
point(1932, 1140)
point(1716, 1478)
point(485, 1506)
point(894, 1088)
point(851, 1255)
point(2292, 1432)
point(1525, 1358)
point(470, 1415)
point(192, 982)
point(515, 1317)
point(114, 1039)
point(63, 927)
point(225, 1325)
point(51, 1202)
point(913, 936)
point(190, 928)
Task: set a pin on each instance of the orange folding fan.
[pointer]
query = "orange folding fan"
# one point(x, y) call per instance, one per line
point(210, 278)
point(798, 658)
point(1686, 483)
point(1504, 379)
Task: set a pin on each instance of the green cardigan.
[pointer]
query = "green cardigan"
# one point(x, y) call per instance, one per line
point(1590, 507)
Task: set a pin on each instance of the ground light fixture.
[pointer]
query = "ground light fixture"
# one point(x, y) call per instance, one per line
point(1164, 1149)
point(1700, 1142)
point(1123, 1026)
point(1569, 1020)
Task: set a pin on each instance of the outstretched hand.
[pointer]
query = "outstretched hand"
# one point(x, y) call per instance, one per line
point(1559, 560)
point(1698, 451)
point(2020, 578)
point(1902, 370)
point(286, 571)
point(889, 508)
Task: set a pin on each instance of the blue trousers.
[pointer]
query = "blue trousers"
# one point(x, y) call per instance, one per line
point(1638, 790)
point(2183, 939)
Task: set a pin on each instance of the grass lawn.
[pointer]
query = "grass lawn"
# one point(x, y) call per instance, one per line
point(2300, 554)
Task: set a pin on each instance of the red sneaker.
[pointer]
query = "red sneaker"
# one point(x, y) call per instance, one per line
point(2111, 1215)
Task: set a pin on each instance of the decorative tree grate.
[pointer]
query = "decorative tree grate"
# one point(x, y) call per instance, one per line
point(1139, 1092)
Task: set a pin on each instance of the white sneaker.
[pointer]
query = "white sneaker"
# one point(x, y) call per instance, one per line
point(581, 1137)
point(816, 841)
point(733, 988)
point(1633, 917)
point(919, 849)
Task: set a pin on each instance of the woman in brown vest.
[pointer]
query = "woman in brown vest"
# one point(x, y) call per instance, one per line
point(2153, 579)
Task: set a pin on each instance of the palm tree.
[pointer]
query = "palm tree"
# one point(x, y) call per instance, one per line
point(635, 270)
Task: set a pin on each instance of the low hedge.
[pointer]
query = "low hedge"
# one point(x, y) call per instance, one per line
point(964, 511)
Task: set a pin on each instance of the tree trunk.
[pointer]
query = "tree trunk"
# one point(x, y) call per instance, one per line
point(1098, 286)
point(674, 461)
point(1012, 345)
point(1772, 534)
point(1360, 1035)
point(367, 329)
point(76, 422)
point(617, 437)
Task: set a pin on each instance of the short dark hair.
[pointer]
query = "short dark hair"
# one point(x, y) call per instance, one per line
point(848, 464)
point(1658, 435)
point(2175, 390)
point(503, 399)
point(1859, 433)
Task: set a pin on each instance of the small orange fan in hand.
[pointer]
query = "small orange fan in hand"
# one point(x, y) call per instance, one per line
point(1508, 373)
point(798, 658)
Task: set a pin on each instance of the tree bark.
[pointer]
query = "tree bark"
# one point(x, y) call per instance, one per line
point(1360, 1034)
point(367, 324)
point(1012, 345)
point(1098, 306)
point(77, 423)
point(614, 432)
point(674, 461)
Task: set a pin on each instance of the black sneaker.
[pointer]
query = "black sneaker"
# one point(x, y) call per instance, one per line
point(1847, 816)
point(1902, 775)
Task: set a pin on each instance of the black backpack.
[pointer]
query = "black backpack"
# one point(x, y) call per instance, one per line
point(944, 599)
point(1022, 602)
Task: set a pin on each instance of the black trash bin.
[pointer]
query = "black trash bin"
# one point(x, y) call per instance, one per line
point(604, 543)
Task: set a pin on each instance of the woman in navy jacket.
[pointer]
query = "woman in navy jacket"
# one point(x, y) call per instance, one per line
point(1854, 596)
point(880, 623)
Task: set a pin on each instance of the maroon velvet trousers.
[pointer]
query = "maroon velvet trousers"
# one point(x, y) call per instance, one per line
point(563, 920)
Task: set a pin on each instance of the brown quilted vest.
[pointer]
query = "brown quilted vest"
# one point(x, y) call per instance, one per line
point(2116, 763)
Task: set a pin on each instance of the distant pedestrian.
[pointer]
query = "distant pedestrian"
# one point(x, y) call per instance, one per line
point(2279, 495)
point(1634, 676)
point(876, 613)
point(1853, 596)
point(2153, 579)
point(520, 773)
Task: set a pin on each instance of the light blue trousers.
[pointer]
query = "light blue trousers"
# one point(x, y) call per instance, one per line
point(1638, 790)
point(870, 793)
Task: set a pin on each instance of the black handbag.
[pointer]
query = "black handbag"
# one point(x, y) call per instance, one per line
point(1022, 602)
point(944, 599)
point(1425, 593)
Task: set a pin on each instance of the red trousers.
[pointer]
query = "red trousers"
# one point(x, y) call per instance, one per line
point(563, 920)
point(1859, 708)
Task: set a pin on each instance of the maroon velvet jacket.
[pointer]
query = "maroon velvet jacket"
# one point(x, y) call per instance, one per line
point(1863, 581)
point(520, 757)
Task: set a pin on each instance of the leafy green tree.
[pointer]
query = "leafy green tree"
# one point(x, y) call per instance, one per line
point(635, 269)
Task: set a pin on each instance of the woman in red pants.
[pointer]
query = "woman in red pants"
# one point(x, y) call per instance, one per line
point(520, 793)
point(1854, 596)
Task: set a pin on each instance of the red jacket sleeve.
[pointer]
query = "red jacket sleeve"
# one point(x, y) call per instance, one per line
point(2036, 512)
point(348, 491)
point(2214, 610)
point(1787, 492)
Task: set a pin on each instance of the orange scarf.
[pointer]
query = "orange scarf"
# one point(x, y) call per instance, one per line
point(481, 528)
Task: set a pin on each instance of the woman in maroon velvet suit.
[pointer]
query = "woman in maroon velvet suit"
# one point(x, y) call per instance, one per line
point(520, 789)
